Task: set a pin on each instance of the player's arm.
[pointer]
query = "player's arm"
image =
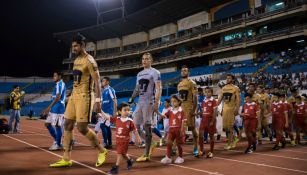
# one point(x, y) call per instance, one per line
point(195, 97)
point(220, 98)
point(136, 133)
point(238, 101)
point(113, 96)
point(286, 118)
point(258, 114)
point(135, 93)
point(158, 90)
point(160, 114)
point(93, 69)
point(56, 99)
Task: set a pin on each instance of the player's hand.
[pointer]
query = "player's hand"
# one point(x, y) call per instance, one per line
point(46, 111)
point(236, 112)
point(98, 107)
point(287, 125)
point(130, 101)
point(139, 141)
point(211, 123)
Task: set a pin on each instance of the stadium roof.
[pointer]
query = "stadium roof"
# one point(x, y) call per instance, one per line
point(160, 13)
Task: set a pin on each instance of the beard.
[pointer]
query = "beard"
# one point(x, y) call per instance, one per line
point(184, 76)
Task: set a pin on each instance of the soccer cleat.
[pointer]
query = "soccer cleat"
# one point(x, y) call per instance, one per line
point(275, 148)
point(210, 155)
point(166, 160)
point(179, 160)
point(283, 144)
point(227, 147)
point(271, 139)
point(279, 144)
point(234, 143)
point(292, 143)
point(259, 142)
point(254, 147)
point(248, 151)
point(61, 163)
point(130, 163)
point(196, 152)
point(101, 158)
point(142, 145)
point(143, 158)
point(55, 148)
point(153, 147)
point(201, 153)
point(131, 143)
point(114, 170)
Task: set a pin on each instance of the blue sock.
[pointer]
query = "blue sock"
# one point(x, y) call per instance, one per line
point(58, 135)
point(157, 132)
point(51, 131)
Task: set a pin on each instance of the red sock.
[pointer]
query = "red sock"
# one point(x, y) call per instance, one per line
point(179, 150)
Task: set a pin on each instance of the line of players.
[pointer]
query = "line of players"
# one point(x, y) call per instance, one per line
point(181, 115)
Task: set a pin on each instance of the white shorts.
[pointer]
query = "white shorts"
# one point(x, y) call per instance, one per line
point(143, 114)
point(197, 122)
point(55, 119)
point(166, 125)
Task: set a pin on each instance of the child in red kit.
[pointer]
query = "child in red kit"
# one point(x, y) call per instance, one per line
point(176, 130)
point(208, 121)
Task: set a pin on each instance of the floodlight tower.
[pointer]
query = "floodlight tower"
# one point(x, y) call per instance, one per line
point(100, 12)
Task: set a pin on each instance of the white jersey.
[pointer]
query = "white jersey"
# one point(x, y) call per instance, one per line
point(146, 80)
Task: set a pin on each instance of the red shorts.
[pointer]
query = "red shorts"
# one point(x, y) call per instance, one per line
point(250, 124)
point(205, 125)
point(278, 123)
point(300, 122)
point(175, 134)
point(122, 147)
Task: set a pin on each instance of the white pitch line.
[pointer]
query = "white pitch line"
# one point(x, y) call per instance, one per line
point(252, 163)
point(180, 166)
point(34, 146)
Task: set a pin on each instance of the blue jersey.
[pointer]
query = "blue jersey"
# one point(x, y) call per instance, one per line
point(59, 107)
point(108, 94)
point(201, 98)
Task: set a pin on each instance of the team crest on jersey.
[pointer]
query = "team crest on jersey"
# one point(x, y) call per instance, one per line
point(209, 104)
point(179, 116)
point(127, 126)
point(252, 107)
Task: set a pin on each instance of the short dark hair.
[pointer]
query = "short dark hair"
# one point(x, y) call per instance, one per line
point(298, 97)
point(167, 100)
point(122, 105)
point(231, 75)
point(79, 39)
point(174, 96)
point(106, 78)
point(252, 84)
point(148, 54)
point(58, 72)
point(184, 67)
point(248, 95)
point(211, 89)
point(15, 86)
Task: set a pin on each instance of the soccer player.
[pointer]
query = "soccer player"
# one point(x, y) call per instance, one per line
point(15, 109)
point(230, 94)
point(265, 112)
point(55, 111)
point(149, 89)
point(251, 121)
point(109, 106)
point(208, 121)
point(188, 93)
point(279, 114)
point(124, 126)
point(176, 132)
point(80, 104)
point(300, 118)
point(288, 130)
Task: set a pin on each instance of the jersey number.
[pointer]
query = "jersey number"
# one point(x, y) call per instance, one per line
point(77, 76)
point(184, 94)
point(143, 85)
point(120, 131)
point(227, 96)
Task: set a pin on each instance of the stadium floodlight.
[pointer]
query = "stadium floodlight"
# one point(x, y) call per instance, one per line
point(279, 4)
point(300, 41)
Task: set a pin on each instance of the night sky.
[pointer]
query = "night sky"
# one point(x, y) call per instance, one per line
point(28, 47)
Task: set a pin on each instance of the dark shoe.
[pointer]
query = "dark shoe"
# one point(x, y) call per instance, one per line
point(114, 170)
point(130, 163)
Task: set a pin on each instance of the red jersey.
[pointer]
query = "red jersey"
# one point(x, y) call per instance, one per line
point(288, 107)
point(301, 110)
point(278, 109)
point(250, 110)
point(175, 117)
point(208, 106)
point(123, 128)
